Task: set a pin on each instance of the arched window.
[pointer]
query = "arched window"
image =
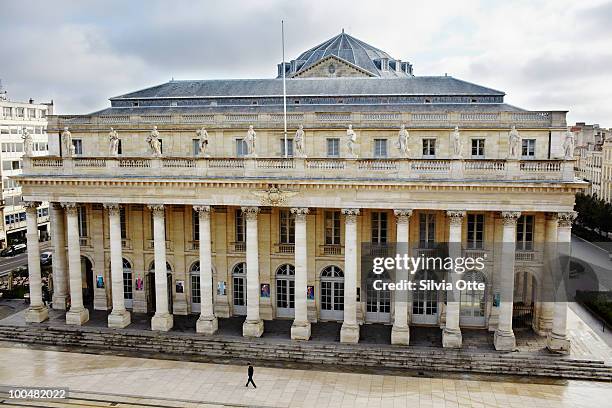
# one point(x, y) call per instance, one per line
point(285, 291)
point(128, 293)
point(239, 288)
point(194, 273)
point(332, 293)
point(152, 267)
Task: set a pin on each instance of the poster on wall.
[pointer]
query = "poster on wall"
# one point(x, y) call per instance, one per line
point(265, 290)
point(310, 295)
point(221, 288)
point(100, 282)
point(180, 286)
point(139, 283)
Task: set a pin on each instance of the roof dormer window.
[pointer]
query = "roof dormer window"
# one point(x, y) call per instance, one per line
point(384, 64)
point(135, 104)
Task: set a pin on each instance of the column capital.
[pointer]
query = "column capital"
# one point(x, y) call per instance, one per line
point(350, 215)
point(510, 217)
point(113, 208)
point(31, 205)
point(566, 218)
point(456, 216)
point(156, 209)
point(70, 207)
point(300, 213)
point(250, 212)
point(402, 215)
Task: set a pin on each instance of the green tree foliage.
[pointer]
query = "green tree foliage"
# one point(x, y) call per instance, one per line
point(594, 213)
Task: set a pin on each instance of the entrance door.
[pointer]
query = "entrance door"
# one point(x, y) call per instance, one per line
point(473, 302)
point(88, 282)
point(285, 291)
point(150, 282)
point(425, 302)
point(239, 289)
point(128, 294)
point(378, 302)
point(332, 293)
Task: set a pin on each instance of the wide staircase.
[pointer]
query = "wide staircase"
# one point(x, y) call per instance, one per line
point(411, 360)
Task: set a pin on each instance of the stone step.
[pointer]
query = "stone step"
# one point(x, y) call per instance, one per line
point(412, 358)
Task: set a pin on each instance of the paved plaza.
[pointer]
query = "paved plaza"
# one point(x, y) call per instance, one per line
point(177, 383)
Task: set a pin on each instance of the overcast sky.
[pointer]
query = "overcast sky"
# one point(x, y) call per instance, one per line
point(545, 55)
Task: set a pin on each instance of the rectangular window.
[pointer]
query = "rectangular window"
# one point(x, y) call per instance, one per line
point(427, 230)
point(7, 111)
point(475, 233)
point(82, 218)
point(240, 226)
point(78, 146)
point(31, 113)
point(241, 148)
point(379, 227)
point(123, 222)
point(332, 227)
point(289, 147)
point(195, 225)
point(19, 112)
point(333, 147)
point(524, 233)
point(528, 148)
point(287, 227)
point(380, 147)
point(478, 148)
point(429, 147)
point(195, 144)
point(118, 147)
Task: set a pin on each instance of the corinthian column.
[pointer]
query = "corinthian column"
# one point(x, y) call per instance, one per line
point(119, 317)
point(451, 335)
point(162, 319)
point(207, 322)
point(349, 333)
point(558, 341)
point(400, 333)
point(253, 325)
point(37, 312)
point(504, 336)
point(300, 330)
point(77, 314)
point(58, 237)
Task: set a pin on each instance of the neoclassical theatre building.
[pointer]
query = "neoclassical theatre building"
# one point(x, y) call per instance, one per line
point(186, 198)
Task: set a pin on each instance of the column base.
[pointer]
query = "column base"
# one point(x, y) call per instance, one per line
point(77, 316)
point(36, 314)
point(451, 338)
point(207, 325)
point(253, 328)
point(119, 320)
point(558, 344)
point(162, 322)
point(400, 335)
point(504, 340)
point(349, 333)
point(60, 302)
point(300, 330)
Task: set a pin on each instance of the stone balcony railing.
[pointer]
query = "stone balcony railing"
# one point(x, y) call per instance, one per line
point(319, 168)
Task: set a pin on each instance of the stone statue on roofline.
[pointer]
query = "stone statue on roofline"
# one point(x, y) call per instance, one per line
point(203, 143)
point(250, 139)
point(351, 141)
point(402, 142)
point(456, 143)
point(514, 144)
point(299, 142)
point(569, 143)
point(113, 142)
point(154, 143)
point(28, 143)
point(67, 138)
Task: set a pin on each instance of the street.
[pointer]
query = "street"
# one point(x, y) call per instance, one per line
point(11, 262)
point(597, 258)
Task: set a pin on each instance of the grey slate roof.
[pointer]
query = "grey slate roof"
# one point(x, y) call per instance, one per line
point(422, 85)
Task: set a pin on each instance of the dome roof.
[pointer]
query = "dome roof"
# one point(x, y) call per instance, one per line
point(354, 51)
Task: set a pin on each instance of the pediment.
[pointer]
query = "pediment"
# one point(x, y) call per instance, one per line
point(332, 67)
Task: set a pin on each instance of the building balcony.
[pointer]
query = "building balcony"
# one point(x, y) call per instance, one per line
point(331, 250)
point(285, 248)
point(317, 168)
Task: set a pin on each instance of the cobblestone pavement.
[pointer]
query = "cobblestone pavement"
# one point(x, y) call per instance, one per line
point(177, 383)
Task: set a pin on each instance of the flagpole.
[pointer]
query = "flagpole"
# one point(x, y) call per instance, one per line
point(284, 89)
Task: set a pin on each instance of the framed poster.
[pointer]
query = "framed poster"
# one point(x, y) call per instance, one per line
point(100, 282)
point(221, 288)
point(180, 286)
point(310, 294)
point(265, 290)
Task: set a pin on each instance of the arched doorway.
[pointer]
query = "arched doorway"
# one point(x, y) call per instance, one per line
point(378, 302)
point(151, 287)
point(128, 290)
point(88, 281)
point(239, 289)
point(332, 293)
point(425, 302)
point(524, 294)
point(196, 295)
point(473, 302)
point(285, 291)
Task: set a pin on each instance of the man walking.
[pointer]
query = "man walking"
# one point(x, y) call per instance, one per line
point(250, 373)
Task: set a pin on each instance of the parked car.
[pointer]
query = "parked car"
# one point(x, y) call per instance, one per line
point(45, 258)
point(14, 250)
